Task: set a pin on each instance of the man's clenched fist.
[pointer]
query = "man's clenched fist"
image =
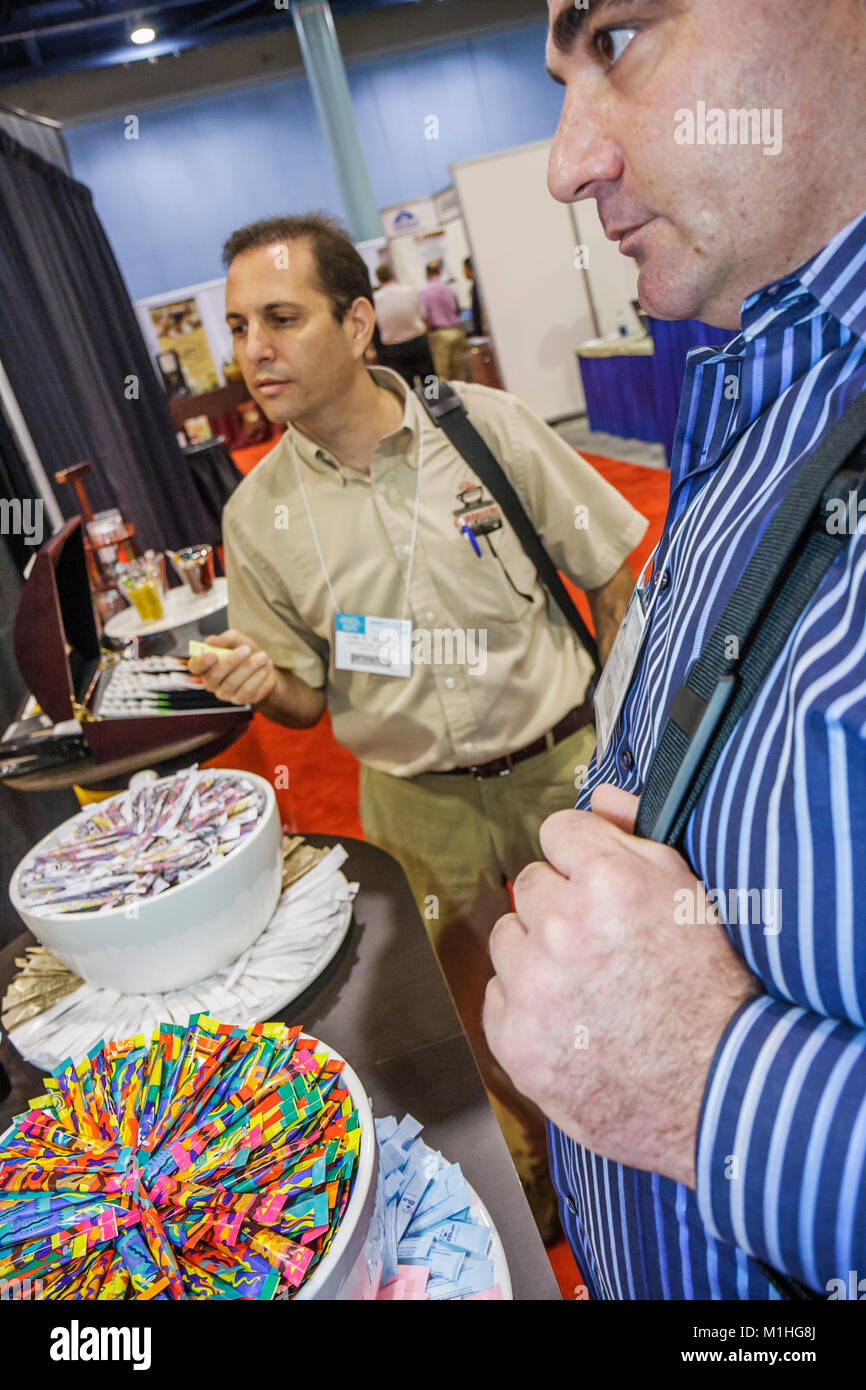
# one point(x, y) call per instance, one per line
point(603, 1009)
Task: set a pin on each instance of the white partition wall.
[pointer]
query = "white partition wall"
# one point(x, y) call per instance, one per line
point(541, 297)
point(523, 248)
point(612, 276)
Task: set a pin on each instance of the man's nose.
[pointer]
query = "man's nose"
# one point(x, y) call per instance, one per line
point(584, 154)
point(259, 345)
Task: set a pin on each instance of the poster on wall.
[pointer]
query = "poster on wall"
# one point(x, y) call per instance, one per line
point(179, 329)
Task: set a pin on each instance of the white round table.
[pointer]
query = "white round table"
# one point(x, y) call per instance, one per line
point(181, 608)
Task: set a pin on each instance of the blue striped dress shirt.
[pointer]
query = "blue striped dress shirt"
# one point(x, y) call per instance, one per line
point(781, 1147)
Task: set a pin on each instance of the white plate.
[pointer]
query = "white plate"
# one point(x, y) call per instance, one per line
point(179, 606)
point(282, 1001)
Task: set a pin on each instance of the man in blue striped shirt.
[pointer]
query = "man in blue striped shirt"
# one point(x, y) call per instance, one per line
point(695, 1027)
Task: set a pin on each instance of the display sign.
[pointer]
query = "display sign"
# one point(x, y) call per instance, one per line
point(179, 329)
point(419, 215)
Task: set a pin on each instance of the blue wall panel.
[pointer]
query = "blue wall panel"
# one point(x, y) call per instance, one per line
point(202, 168)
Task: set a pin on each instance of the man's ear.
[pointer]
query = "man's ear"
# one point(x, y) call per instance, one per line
point(360, 321)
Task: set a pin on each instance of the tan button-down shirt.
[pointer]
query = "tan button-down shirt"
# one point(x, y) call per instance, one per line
point(494, 664)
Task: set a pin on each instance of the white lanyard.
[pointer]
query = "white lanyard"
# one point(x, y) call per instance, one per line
point(318, 543)
point(615, 679)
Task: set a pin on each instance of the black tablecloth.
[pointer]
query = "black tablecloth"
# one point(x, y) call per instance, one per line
point(216, 476)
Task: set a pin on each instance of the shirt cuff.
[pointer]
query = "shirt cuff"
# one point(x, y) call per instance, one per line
point(782, 1141)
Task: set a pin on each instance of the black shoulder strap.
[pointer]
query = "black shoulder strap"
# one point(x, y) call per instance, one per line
point(449, 413)
point(795, 552)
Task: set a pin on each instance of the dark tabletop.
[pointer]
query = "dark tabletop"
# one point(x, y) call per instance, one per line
point(383, 1004)
point(115, 774)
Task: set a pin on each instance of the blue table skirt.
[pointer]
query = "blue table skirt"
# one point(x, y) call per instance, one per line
point(620, 396)
point(639, 397)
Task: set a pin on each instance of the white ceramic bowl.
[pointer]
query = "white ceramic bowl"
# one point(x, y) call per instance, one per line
point(352, 1269)
point(182, 935)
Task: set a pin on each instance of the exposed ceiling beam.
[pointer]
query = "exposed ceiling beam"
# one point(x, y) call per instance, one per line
point(127, 54)
point(218, 61)
point(92, 21)
point(216, 18)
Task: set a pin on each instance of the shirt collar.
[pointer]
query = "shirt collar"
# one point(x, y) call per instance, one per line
point(835, 278)
point(394, 448)
point(821, 301)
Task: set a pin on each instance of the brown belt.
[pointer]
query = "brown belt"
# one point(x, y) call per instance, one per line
point(576, 719)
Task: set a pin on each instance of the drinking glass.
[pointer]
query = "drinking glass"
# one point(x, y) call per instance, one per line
point(194, 565)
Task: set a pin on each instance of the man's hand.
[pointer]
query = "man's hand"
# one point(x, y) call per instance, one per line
point(603, 1010)
point(247, 677)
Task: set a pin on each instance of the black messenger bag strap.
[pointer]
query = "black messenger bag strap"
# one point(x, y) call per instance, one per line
point(449, 413)
point(793, 555)
point(789, 563)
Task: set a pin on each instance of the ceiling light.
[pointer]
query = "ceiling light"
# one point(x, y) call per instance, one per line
point(142, 35)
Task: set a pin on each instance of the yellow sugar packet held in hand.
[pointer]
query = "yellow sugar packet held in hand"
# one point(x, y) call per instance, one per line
point(205, 649)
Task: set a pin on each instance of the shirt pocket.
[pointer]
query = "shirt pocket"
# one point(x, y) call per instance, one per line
point(501, 585)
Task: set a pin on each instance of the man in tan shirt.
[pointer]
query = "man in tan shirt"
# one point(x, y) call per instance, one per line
point(355, 582)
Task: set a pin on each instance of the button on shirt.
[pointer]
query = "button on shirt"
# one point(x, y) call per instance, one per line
point(440, 306)
point(399, 314)
point(495, 665)
point(777, 836)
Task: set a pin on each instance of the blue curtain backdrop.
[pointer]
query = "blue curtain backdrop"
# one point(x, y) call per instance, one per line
point(201, 168)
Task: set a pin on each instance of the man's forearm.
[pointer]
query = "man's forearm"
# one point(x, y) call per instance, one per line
point(293, 702)
point(608, 605)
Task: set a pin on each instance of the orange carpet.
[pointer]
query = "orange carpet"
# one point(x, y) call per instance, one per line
point(317, 780)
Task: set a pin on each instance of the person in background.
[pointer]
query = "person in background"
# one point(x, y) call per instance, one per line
point(479, 326)
point(470, 738)
point(442, 316)
point(693, 1022)
point(402, 333)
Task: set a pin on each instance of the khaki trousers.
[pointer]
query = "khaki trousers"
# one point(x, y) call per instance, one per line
point(458, 841)
point(448, 349)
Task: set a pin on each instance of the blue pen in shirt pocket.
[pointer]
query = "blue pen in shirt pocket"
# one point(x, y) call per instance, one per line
point(470, 536)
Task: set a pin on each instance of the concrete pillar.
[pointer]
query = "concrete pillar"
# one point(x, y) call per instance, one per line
point(323, 60)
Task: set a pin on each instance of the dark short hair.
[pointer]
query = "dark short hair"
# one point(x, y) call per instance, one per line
point(434, 268)
point(341, 272)
point(385, 274)
point(467, 264)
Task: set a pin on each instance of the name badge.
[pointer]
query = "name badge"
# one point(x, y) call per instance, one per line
point(618, 670)
point(377, 646)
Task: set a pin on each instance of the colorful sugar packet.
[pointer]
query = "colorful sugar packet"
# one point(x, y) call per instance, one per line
point(136, 846)
point(215, 1162)
point(436, 1247)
